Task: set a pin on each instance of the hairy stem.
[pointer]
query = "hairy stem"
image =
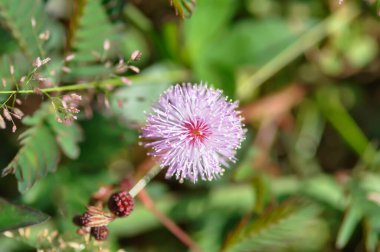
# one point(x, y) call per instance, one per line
point(115, 82)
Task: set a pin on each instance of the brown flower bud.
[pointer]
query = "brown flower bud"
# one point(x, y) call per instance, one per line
point(100, 233)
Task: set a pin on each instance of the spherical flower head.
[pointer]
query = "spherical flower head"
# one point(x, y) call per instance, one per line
point(194, 131)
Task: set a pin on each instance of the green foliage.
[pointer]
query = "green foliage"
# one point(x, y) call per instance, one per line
point(90, 30)
point(18, 18)
point(13, 216)
point(318, 143)
point(226, 200)
point(329, 101)
point(67, 137)
point(351, 220)
point(274, 230)
point(326, 190)
point(217, 50)
point(39, 153)
point(8, 60)
point(129, 103)
point(184, 8)
point(21, 42)
point(363, 208)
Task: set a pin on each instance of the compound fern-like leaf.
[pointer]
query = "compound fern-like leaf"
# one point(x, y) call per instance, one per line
point(89, 30)
point(38, 155)
point(41, 144)
point(275, 230)
point(26, 20)
point(67, 137)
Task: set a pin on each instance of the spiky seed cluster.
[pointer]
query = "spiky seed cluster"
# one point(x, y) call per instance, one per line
point(121, 204)
point(194, 131)
point(95, 220)
point(99, 233)
point(82, 220)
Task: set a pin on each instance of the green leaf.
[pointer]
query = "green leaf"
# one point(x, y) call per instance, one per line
point(8, 44)
point(199, 37)
point(90, 29)
point(217, 50)
point(38, 116)
point(325, 189)
point(364, 210)
point(21, 68)
point(135, 100)
point(184, 8)
point(280, 228)
point(330, 104)
point(130, 102)
point(67, 137)
point(17, 18)
point(371, 236)
point(13, 216)
point(208, 238)
point(40, 153)
point(350, 221)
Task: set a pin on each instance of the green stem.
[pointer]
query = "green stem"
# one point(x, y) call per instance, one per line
point(337, 21)
point(2, 105)
point(74, 87)
point(174, 75)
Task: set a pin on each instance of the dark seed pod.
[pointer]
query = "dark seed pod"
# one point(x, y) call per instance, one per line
point(81, 220)
point(77, 220)
point(121, 204)
point(99, 233)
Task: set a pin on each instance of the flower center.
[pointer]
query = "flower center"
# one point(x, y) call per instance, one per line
point(197, 130)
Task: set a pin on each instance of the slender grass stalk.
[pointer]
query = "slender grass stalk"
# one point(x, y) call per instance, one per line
point(337, 21)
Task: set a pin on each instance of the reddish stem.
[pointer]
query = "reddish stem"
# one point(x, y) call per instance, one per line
point(167, 222)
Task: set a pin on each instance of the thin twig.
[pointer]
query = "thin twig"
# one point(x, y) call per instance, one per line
point(167, 222)
point(151, 169)
point(176, 74)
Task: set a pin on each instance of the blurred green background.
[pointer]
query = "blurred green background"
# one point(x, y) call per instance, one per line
point(306, 74)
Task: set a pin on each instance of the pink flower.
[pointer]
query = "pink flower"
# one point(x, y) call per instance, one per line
point(194, 131)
